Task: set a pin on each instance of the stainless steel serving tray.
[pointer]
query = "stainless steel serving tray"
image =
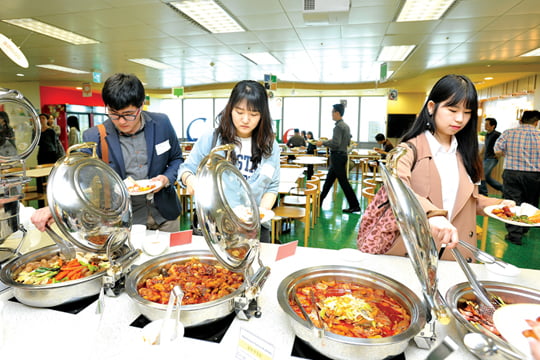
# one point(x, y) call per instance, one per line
point(343, 347)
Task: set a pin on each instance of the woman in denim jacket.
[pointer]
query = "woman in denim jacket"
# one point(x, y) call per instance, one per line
point(245, 122)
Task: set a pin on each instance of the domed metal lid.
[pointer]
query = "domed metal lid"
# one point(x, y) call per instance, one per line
point(89, 201)
point(19, 126)
point(228, 213)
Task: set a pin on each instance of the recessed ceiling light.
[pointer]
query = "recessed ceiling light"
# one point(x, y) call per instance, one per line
point(62, 68)
point(395, 53)
point(535, 52)
point(19, 74)
point(52, 31)
point(208, 14)
point(488, 78)
point(151, 63)
point(262, 58)
point(423, 10)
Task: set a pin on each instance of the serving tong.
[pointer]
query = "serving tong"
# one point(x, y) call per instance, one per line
point(176, 296)
point(483, 256)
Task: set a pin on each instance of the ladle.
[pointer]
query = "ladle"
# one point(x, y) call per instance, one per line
point(484, 347)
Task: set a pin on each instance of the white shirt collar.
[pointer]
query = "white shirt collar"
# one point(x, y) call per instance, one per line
point(436, 147)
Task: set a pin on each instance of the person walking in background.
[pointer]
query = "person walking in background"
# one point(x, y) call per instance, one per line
point(245, 122)
point(338, 144)
point(49, 144)
point(490, 160)
point(51, 122)
point(386, 145)
point(521, 174)
point(74, 131)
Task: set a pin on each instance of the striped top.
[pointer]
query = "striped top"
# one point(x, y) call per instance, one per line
point(521, 147)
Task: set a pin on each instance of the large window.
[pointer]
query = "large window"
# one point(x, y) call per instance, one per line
point(173, 109)
point(301, 113)
point(373, 117)
point(198, 117)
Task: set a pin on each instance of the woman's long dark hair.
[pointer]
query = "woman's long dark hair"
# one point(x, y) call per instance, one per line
point(454, 89)
point(262, 138)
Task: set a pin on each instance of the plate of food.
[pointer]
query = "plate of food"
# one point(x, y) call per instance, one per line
point(141, 187)
point(266, 215)
point(517, 323)
point(524, 215)
point(246, 214)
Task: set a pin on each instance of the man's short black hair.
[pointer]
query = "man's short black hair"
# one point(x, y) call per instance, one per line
point(530, 116)
point(123, 90)
point(492, 121)
point(339, 108)
point(380, 137)
point(296, 131)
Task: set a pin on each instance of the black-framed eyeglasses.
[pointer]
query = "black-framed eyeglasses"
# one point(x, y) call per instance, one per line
point(127, 117)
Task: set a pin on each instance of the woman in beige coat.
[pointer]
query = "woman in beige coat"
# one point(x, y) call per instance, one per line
point(448, 167)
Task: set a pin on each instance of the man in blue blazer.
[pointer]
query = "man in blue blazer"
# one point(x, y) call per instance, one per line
point(142, 145)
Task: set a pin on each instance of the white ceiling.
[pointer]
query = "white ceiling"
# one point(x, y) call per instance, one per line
point(478, 38)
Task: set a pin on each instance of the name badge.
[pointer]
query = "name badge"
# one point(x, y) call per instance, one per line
point(163, 147)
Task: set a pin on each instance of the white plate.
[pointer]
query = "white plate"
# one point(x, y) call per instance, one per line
point(142, 183)
point(524, 209)
point(510, 321)
point(508, 270)
point(267, 215)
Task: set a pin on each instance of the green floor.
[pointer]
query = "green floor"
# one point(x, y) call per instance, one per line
point(337, 230)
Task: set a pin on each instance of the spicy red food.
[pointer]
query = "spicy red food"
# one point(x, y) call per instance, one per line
point(352, 310)
point(201, 282)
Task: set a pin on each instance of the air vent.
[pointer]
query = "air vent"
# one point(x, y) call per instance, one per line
point(324, 12)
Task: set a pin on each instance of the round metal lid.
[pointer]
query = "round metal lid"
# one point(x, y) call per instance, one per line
point(228, 213)
point(19, 126)
point(415, 230)
point(89, 201)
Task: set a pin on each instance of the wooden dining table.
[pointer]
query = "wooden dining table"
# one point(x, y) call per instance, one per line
point(40, 174)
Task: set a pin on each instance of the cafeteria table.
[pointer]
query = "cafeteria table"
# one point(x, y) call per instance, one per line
point(42, 332)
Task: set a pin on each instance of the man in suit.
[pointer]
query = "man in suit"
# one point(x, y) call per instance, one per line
point(141, 145)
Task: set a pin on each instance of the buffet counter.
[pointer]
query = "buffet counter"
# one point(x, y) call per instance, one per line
point(48, 333)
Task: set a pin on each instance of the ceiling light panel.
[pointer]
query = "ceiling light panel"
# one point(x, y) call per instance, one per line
point(535, 52)
point(151, 63)
point(62, 68)
point(52, 31)
point(209, 15)
point(262, 58)
point(395, 53)
point(423, 10)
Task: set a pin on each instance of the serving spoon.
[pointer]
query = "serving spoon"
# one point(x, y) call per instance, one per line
point(484, 347)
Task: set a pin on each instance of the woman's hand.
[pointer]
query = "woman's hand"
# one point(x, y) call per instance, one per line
point(443, 231)
point(41, 218)
point(191, 183)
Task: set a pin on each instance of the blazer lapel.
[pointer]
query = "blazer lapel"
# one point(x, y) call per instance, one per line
point(465, 188)
point(115, 151)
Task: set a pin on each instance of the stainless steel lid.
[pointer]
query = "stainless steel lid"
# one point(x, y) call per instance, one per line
point(89, 201)
point(415, 230)
point(228, 213)
point(19, 135)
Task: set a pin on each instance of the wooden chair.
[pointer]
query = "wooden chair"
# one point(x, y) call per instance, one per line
point(482, 232)
point(302, 214)
point(186, 200)
point(368, 193)
point(297, 197)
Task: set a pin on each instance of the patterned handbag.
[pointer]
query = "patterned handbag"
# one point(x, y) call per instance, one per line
point(378, 227)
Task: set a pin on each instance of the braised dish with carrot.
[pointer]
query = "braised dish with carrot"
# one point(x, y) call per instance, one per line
point(201, 282)
point(352, 310)
point(57, 269)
